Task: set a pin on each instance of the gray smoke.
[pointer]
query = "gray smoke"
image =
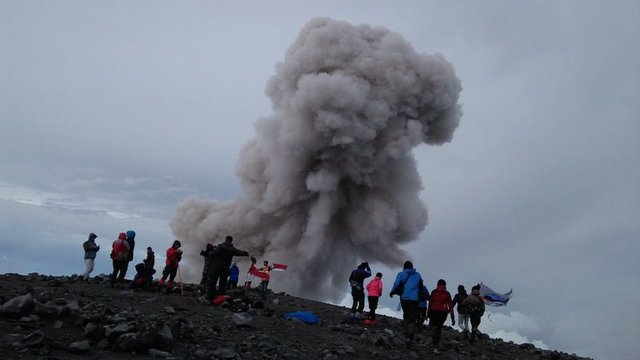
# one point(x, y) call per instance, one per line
point(330, 179)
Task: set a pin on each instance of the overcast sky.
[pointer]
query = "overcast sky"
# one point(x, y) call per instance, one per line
point(111, 113)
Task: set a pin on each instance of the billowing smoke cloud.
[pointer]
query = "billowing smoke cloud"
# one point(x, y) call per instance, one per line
point(330, 179)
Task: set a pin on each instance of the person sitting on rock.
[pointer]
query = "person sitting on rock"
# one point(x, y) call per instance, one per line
point(474, 306)
point(174, 255)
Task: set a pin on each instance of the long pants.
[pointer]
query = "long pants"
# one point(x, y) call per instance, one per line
point(475, 322)
point(358, 300)
point(88, 268)
point(436, 320)
point(422, 316)
point(217, 273)
point(373, 305)
point(119, 270)
point(169, 271)
point(409, 317)
point(463, 322)
point(232, 284)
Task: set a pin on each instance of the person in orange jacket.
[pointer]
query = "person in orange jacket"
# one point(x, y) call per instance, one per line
point(440, 304)
point(174, 255)
point(374, 290)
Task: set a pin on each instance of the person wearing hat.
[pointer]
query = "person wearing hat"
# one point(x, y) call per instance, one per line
point(90, 251)
point(221, 258)
point(174, 255)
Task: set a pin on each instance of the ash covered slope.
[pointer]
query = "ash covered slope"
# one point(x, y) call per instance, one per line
point(330, 178)
point(46, 317)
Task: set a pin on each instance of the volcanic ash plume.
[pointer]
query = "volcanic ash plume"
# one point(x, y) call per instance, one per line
point(330, 179)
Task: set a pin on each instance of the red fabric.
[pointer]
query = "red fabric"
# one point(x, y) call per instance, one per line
point(441, 300)
point(374, 287)
point(253, 270)
point(122, 236)
point(280, 266)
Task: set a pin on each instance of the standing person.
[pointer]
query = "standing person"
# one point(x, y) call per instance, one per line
point(463, 317)
point(221, 261)
point(234, 272)
point(149, 263)
point(422, 305)
point(90, 251)
point(356, 280)
point(207, 263)
point(440, 304)
point(407, 284)
point(174, 255)
point(120, 258)
point(250, 275)
point(475, 308)
point(374, 290)
point(131, 236)
point(266, 268)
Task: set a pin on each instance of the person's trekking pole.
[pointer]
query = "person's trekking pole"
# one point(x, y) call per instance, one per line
point(181, 283)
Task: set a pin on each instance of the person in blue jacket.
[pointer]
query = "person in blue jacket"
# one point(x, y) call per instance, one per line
point(233, 276)
point(407, 285)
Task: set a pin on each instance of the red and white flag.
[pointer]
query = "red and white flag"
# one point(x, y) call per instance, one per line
point(279, 267)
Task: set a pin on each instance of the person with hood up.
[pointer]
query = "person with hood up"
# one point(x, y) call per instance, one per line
point(407, 285)
point(120, 257)
point(374, 291)
point(149, 263)
point(206, 253)
point(463, 317)
point(131, 236)
point(356, 280)
point(90, 251)
point(440, 304)
point(174, 255)
point(234, 273)
point(475, 308)
point(221, 258)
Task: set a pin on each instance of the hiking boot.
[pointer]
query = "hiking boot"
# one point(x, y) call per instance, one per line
point(161, 283)
point(170, 285)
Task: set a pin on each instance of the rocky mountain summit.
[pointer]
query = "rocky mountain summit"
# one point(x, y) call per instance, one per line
point(47, 317)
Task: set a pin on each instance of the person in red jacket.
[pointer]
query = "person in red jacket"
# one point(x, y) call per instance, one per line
point(174, 255)
point(374, 289)
point(120, 256)
point(440, 304)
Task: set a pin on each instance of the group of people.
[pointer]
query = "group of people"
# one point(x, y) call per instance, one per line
point(220, 273)
point(418, 304)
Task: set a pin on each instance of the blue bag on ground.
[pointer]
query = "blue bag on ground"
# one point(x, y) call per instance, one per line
point(306, 316)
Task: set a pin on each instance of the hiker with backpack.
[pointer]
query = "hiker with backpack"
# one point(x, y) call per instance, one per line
point(234, 273)
point(90, 251)
point(356, 280)
point(407, 284)
point(174, 255)
point(374, 290)
point(440, 305)
point(120, 258)
point(474, 305)
point(463, 316)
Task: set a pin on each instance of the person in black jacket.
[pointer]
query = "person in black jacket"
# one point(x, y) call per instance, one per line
point(221, 257)
point(356, 280)
point(207, 263)
point(463, 317)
